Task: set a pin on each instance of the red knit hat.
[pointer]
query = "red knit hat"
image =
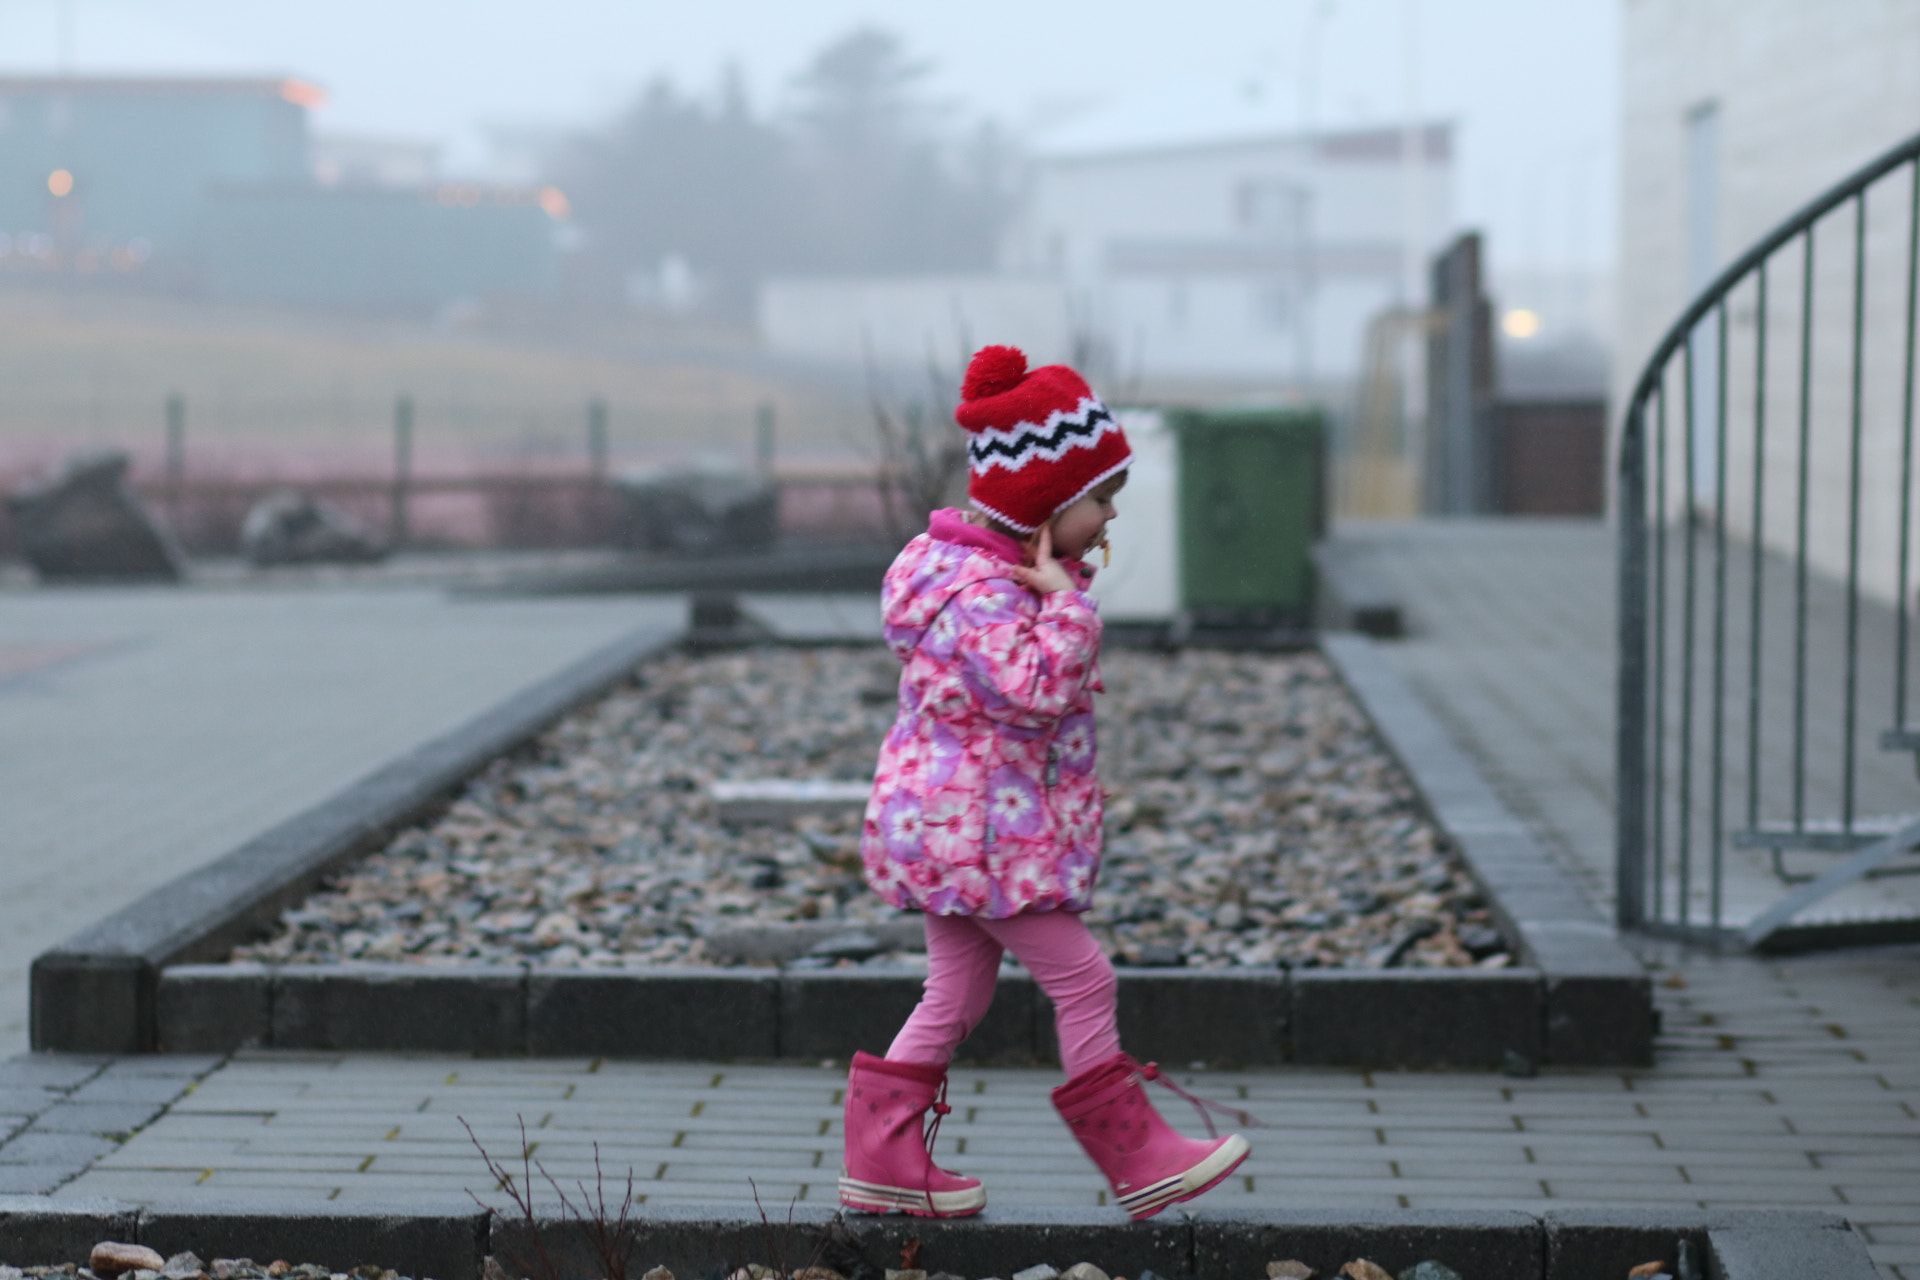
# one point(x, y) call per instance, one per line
point(1039, 440)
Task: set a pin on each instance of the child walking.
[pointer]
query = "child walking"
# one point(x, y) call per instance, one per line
point(986, 811)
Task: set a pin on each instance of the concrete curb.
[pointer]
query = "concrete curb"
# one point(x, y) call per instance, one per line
point(702, 1240)
point(1596, 998)
point(133, 982)
point(95, 992)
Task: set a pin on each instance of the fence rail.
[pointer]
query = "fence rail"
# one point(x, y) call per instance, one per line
point(1765, 504)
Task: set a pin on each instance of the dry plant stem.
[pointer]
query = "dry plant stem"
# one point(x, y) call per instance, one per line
point(611, 1235)
point(521, 1195)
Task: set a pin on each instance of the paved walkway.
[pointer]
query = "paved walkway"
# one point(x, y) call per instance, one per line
point(147, 731)
point(1777, 1083)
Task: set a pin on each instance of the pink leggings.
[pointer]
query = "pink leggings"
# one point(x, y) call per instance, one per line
point(963, 964)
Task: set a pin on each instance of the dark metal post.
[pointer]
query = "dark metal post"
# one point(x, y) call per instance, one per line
point(402, 468)
point(597, 438)
point(1630, 741)
point(176, 452)
point(763, 441)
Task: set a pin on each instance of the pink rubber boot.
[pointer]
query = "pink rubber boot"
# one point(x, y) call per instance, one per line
point(1148, 1165)
point(890, 1166)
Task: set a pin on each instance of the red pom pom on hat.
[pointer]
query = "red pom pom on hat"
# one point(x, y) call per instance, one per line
point(992, 371)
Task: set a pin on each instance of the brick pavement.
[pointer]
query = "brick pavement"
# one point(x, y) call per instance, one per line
point(1792, 1083)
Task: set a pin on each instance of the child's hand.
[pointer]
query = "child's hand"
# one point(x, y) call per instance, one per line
point(1045, 575)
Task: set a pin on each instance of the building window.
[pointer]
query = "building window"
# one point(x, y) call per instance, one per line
point(1272, 306)
point(1273, 207)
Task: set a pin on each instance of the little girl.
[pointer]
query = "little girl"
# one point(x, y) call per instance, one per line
point(986, 812)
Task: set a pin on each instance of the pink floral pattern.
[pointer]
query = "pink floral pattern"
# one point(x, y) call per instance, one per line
point(985, 800)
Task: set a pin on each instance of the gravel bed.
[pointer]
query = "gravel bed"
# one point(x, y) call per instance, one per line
point(111, 1261)
point(1253, 820)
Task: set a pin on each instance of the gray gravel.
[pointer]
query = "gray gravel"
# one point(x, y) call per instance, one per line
point(1253, 820)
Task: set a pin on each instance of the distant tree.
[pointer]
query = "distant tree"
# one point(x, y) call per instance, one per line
point(888, 192)
point(859, 175)
point(676, 176)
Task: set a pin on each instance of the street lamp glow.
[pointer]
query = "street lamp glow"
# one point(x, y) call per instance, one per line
point(60, 182)
point(1520, 323)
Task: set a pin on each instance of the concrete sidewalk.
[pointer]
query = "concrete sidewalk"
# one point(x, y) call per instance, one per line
point(147, 731)
point(1797, 1085)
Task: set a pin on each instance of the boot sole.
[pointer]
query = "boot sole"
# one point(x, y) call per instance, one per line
point(1199, 1180)
point(874, 1197)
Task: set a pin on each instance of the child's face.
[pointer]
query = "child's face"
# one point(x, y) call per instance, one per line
point(1081, 525)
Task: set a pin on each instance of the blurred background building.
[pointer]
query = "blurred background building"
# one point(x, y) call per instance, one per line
point(216, 187)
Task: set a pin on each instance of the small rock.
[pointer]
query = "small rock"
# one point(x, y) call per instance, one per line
point(182, 1265)
point(1041, 1271)
point(937, 1275)
point(280, 1266)
point(112, 1259)
point(910, 1273)
point(1290, 1269)
point(85, 521)
point(1361, 1269)
point(661, 1273)
point(1429, 1270)
point(1648, 1271)
point(1083, 1271)
point(289, 527)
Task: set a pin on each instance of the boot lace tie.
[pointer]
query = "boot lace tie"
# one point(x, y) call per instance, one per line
point(1151, 1071)
point(939, 1109)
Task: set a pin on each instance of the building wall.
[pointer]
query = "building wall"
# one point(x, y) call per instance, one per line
point(1736, 113)
point(1256, 262)
point(1221, 269)
point(141, 153)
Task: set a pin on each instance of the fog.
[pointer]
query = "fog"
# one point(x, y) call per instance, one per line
point(1531, 86)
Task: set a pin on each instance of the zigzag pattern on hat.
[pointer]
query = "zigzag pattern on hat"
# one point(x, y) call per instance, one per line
point(1013, 448)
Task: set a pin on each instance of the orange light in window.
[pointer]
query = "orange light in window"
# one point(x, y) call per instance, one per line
point(302, 94)
point(60, 182)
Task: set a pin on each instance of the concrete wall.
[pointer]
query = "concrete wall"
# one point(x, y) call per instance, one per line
point(1799, 95)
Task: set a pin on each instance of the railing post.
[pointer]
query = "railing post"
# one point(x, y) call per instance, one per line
point(597, 438)
point(176, 461)
point(763, 441)
point(1630, 742)
point(402, 469)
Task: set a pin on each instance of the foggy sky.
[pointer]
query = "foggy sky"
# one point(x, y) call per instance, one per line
point(1530, 83)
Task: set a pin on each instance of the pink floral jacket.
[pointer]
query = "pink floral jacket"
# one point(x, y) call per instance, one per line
point(985, 800)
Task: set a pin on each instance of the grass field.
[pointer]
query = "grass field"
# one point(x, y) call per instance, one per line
point(273, 393)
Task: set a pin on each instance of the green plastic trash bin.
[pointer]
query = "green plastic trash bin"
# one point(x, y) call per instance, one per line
point(1252, 502)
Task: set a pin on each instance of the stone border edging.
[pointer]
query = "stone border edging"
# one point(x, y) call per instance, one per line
point(131, 983)
point(1597, 998)
point(95, 992)
point(430, 1242)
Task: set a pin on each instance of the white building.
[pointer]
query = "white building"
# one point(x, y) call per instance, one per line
point(1736, 114)
point(1231, 259)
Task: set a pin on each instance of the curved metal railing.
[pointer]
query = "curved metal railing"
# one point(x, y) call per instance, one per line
point(1749, 644)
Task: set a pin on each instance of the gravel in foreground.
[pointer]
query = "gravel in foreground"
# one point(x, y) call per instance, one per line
point(1253, 821)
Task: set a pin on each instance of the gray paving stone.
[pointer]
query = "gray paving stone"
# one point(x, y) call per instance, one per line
point(94, 1117)
point(73, 1150)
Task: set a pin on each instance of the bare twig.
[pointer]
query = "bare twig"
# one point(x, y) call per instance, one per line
point(522, 1196)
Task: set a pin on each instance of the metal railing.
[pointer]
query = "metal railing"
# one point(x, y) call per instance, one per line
point(1766, 526)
